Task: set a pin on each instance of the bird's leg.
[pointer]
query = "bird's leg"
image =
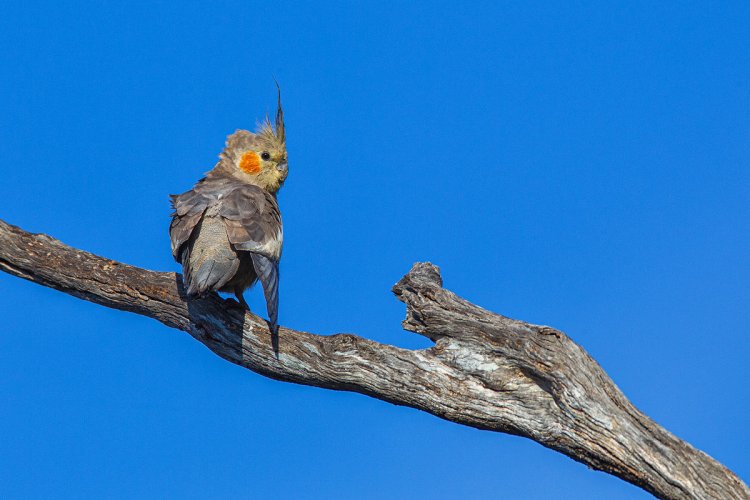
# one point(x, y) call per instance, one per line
point(240, 298)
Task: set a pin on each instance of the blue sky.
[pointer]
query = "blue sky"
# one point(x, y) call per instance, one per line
point(583, 166)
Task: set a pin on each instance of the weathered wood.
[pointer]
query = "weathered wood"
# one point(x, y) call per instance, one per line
point(485, 370)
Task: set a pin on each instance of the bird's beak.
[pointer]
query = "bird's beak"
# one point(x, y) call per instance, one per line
point(283, 167)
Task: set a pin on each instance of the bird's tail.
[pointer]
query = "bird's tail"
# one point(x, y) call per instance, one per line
point(268, 274)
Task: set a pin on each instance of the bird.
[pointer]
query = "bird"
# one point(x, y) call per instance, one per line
point(226, 231)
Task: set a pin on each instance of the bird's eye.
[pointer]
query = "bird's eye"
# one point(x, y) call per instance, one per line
point(265, 155)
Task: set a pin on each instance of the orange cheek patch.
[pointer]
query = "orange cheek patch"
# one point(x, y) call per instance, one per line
point(250, 163)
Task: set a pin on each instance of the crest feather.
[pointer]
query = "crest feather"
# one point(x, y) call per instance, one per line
point(280, 133)
point(273, 133)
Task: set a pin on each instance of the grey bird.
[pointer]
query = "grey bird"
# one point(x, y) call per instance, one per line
point(226, 231)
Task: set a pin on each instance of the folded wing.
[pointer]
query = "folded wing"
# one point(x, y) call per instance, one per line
point(189, 208)
point(253, 223)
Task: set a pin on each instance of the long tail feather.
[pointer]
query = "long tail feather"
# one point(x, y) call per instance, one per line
point(268, 273)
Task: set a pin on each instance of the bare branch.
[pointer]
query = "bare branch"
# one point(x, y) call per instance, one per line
point(485, 370)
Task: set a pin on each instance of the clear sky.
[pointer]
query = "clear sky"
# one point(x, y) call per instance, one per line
point(583, 166)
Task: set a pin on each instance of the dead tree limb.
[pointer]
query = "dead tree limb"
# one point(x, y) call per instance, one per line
point(485, 370)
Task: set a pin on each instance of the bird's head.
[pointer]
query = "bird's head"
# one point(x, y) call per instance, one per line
point(258, 158)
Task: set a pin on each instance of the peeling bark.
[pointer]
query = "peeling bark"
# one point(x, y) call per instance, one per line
point(485, 370)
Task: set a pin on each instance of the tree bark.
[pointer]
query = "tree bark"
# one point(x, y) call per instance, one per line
point(485, 370)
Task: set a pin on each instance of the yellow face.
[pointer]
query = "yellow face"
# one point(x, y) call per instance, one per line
point(267, 165)
point(258, 158)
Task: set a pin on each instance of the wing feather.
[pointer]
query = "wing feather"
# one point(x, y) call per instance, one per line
point(253, 221)
point(189, 208)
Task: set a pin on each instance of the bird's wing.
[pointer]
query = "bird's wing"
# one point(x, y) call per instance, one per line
point(253, 224)
point(188, 210)
point(253, 221)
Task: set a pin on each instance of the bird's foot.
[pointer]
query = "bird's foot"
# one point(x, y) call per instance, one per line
point(235, 304)
point(241, 300)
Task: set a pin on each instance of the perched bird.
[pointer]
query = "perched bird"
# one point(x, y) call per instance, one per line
point(226, 231)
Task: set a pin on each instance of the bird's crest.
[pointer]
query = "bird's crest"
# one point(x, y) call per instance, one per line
point(274, 133)
point(258, 158)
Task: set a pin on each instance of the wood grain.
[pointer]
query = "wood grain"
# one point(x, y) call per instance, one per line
point(485, 370)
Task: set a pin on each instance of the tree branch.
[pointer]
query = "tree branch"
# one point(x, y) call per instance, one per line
point(485, 370)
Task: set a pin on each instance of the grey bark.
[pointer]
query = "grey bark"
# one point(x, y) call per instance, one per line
point(485, 370)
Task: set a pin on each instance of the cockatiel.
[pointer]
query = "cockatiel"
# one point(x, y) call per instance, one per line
point(226, 231)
